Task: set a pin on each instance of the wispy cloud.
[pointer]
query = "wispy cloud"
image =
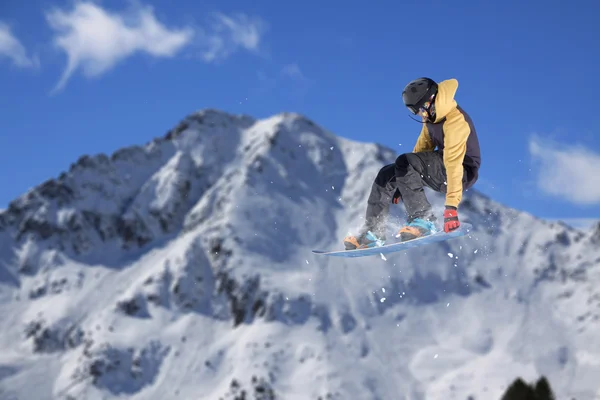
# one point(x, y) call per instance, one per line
point(566, 171)
point(95, 40)
point(293, 71)
point(290, 74)
point(13, 49)
point(225, 35)
point(301, 82)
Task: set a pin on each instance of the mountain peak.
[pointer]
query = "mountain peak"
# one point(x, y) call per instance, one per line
point(595, 233)
point(113, 268)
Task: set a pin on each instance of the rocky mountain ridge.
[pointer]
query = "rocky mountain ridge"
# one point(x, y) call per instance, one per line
point(182, 268)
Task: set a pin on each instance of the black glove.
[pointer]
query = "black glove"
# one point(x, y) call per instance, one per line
point(397, 197)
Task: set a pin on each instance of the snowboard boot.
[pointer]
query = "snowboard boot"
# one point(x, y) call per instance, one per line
point(415, 229)
point(362, 241)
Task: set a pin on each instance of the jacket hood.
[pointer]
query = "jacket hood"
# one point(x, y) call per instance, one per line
point(444, 101)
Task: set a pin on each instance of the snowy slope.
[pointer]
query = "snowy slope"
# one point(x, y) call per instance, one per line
point(182, 269)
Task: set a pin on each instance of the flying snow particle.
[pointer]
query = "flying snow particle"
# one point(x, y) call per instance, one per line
point(383, 257)
point(307, 261)
point(333, 187)
point(382, 299)
point(475, 252)
point(450, 255)
point(383, 289)
point(448, 305)
point(331, 148)
point(435, 356)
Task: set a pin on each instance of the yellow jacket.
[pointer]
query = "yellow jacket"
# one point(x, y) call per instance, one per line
point(456, 131)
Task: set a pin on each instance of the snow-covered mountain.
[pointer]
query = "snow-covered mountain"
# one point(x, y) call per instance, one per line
point(182, 269)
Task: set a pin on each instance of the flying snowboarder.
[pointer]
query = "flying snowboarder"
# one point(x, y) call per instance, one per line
point(446, 158)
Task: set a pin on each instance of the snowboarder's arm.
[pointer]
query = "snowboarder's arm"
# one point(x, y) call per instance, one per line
point(424, 142)
point(456, 133)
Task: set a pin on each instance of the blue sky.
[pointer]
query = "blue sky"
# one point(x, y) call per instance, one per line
point(91, 77)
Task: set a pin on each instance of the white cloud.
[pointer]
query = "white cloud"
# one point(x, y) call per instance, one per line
point(228, 34)
point(12, 48)
point(95, 40)
point(288, 74)
point(293, 71)
point(302, 82)
point(569, 172)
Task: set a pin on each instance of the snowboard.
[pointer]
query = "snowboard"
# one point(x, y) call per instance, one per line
point(395, 245)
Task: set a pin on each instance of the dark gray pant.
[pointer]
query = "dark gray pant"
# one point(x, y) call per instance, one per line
point(409, 174)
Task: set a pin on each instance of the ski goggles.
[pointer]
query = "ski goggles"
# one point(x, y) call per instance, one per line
point(422, 108)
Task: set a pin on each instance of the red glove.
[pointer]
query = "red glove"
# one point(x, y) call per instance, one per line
point(396, 197)
point(451, 221)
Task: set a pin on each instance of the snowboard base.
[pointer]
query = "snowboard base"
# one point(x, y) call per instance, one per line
point(395, 245)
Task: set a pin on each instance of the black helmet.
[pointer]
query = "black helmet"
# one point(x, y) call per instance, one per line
point(417, 93)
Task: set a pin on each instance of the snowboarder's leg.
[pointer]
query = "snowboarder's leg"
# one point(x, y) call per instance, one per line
point(413, 172)
point(378, 206)
point(380, 198)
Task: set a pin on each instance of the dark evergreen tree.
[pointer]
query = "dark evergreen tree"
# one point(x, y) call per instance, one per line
point(519, 390)
point(543, 390)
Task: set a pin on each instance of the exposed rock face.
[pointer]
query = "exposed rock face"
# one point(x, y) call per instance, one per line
point(182, 268)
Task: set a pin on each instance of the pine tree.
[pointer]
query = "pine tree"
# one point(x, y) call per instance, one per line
point(519, 390)
point(543, 390)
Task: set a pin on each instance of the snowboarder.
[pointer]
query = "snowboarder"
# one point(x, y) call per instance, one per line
point(446, 158)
